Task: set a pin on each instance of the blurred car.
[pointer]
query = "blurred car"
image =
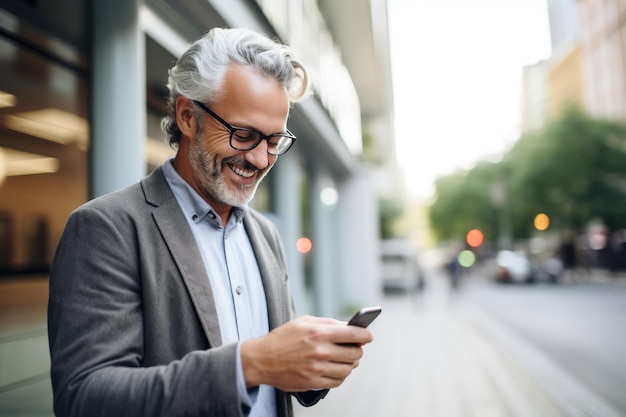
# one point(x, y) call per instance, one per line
point(400, 267)
point(516, 266)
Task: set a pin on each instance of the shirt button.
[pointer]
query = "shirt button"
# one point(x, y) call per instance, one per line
point(238, 290)
point(194, 217)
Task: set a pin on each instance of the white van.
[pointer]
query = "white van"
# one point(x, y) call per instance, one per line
point(401, 271)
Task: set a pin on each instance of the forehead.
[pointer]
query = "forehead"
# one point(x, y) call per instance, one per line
point(251, 99)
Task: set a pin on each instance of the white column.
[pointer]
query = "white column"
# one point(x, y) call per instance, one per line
point(324, 236)
point(118, 98)
point(286, 179)
point(359, 268)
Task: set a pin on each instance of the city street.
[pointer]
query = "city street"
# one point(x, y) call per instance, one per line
point(491, 350)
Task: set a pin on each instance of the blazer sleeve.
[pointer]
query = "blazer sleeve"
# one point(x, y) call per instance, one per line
point(96, 334)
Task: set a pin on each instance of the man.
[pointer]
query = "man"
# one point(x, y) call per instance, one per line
point(170, 297)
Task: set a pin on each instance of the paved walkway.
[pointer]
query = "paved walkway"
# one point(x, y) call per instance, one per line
point(24, 358)
point(434, 357)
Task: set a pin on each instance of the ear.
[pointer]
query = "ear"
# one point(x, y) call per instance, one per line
point(185, 119)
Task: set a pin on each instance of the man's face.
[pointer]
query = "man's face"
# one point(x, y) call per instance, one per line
point(225, 175)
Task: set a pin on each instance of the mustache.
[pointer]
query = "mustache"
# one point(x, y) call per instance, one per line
point(241, 162)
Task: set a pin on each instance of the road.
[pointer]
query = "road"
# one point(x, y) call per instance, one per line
point(491, 350)
point(578, 326)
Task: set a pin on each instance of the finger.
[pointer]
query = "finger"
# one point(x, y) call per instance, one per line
point(347, 353)
point(351, 335)
point(339, 371)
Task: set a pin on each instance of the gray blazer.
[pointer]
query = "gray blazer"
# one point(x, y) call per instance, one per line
point(133, 329)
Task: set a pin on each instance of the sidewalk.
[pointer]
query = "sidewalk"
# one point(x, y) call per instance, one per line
point(24, 358)
point(433, 357)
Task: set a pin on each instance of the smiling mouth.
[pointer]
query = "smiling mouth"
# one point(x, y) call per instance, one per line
point(242, 172)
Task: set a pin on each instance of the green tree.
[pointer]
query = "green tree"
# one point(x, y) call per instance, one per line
point(463, 202)
point(390, 212)
point(574, 170)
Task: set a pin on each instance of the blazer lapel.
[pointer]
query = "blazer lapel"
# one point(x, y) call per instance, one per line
point(182, 245)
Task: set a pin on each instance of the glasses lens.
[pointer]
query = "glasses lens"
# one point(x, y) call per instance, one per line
point(279, 144)
point(247, 139)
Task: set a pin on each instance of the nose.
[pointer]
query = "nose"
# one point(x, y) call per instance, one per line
point(259, 156)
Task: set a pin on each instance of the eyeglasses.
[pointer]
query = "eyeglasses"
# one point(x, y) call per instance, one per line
point(244, 139)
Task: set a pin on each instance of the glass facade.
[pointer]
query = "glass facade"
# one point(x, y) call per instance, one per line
point(44, 134)
point(44, 139)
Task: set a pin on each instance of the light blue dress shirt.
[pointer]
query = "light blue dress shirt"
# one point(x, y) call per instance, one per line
point(234, 277)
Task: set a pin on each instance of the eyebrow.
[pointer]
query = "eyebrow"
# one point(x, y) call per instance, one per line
point(232, 126)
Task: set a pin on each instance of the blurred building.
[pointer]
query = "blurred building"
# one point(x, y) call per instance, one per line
point(603, 34)
point(564, 80)
point(564, 23)
point(587, 67)
point(552, 85)
point(82, 92)
point(369, 43)
point(534, 97)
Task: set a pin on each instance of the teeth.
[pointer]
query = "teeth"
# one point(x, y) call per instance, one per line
point(243, 173)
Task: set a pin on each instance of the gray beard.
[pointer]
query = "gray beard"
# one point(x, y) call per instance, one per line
point(208, 174)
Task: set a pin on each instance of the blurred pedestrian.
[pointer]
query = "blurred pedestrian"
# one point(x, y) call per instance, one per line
point(618, 251)
point(454, 267)
point(568, 254)
point(170, 297)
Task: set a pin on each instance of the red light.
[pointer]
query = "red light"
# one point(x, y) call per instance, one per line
point(474, 238)
point(304, 245)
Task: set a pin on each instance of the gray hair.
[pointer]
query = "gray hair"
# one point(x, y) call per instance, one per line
point(199, 72)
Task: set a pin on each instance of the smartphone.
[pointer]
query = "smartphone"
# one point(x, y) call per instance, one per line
point(365, 316)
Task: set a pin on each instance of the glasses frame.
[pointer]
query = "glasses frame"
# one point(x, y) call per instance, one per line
point(232, 129)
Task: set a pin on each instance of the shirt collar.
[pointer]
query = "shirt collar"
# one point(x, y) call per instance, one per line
point(192, 204)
